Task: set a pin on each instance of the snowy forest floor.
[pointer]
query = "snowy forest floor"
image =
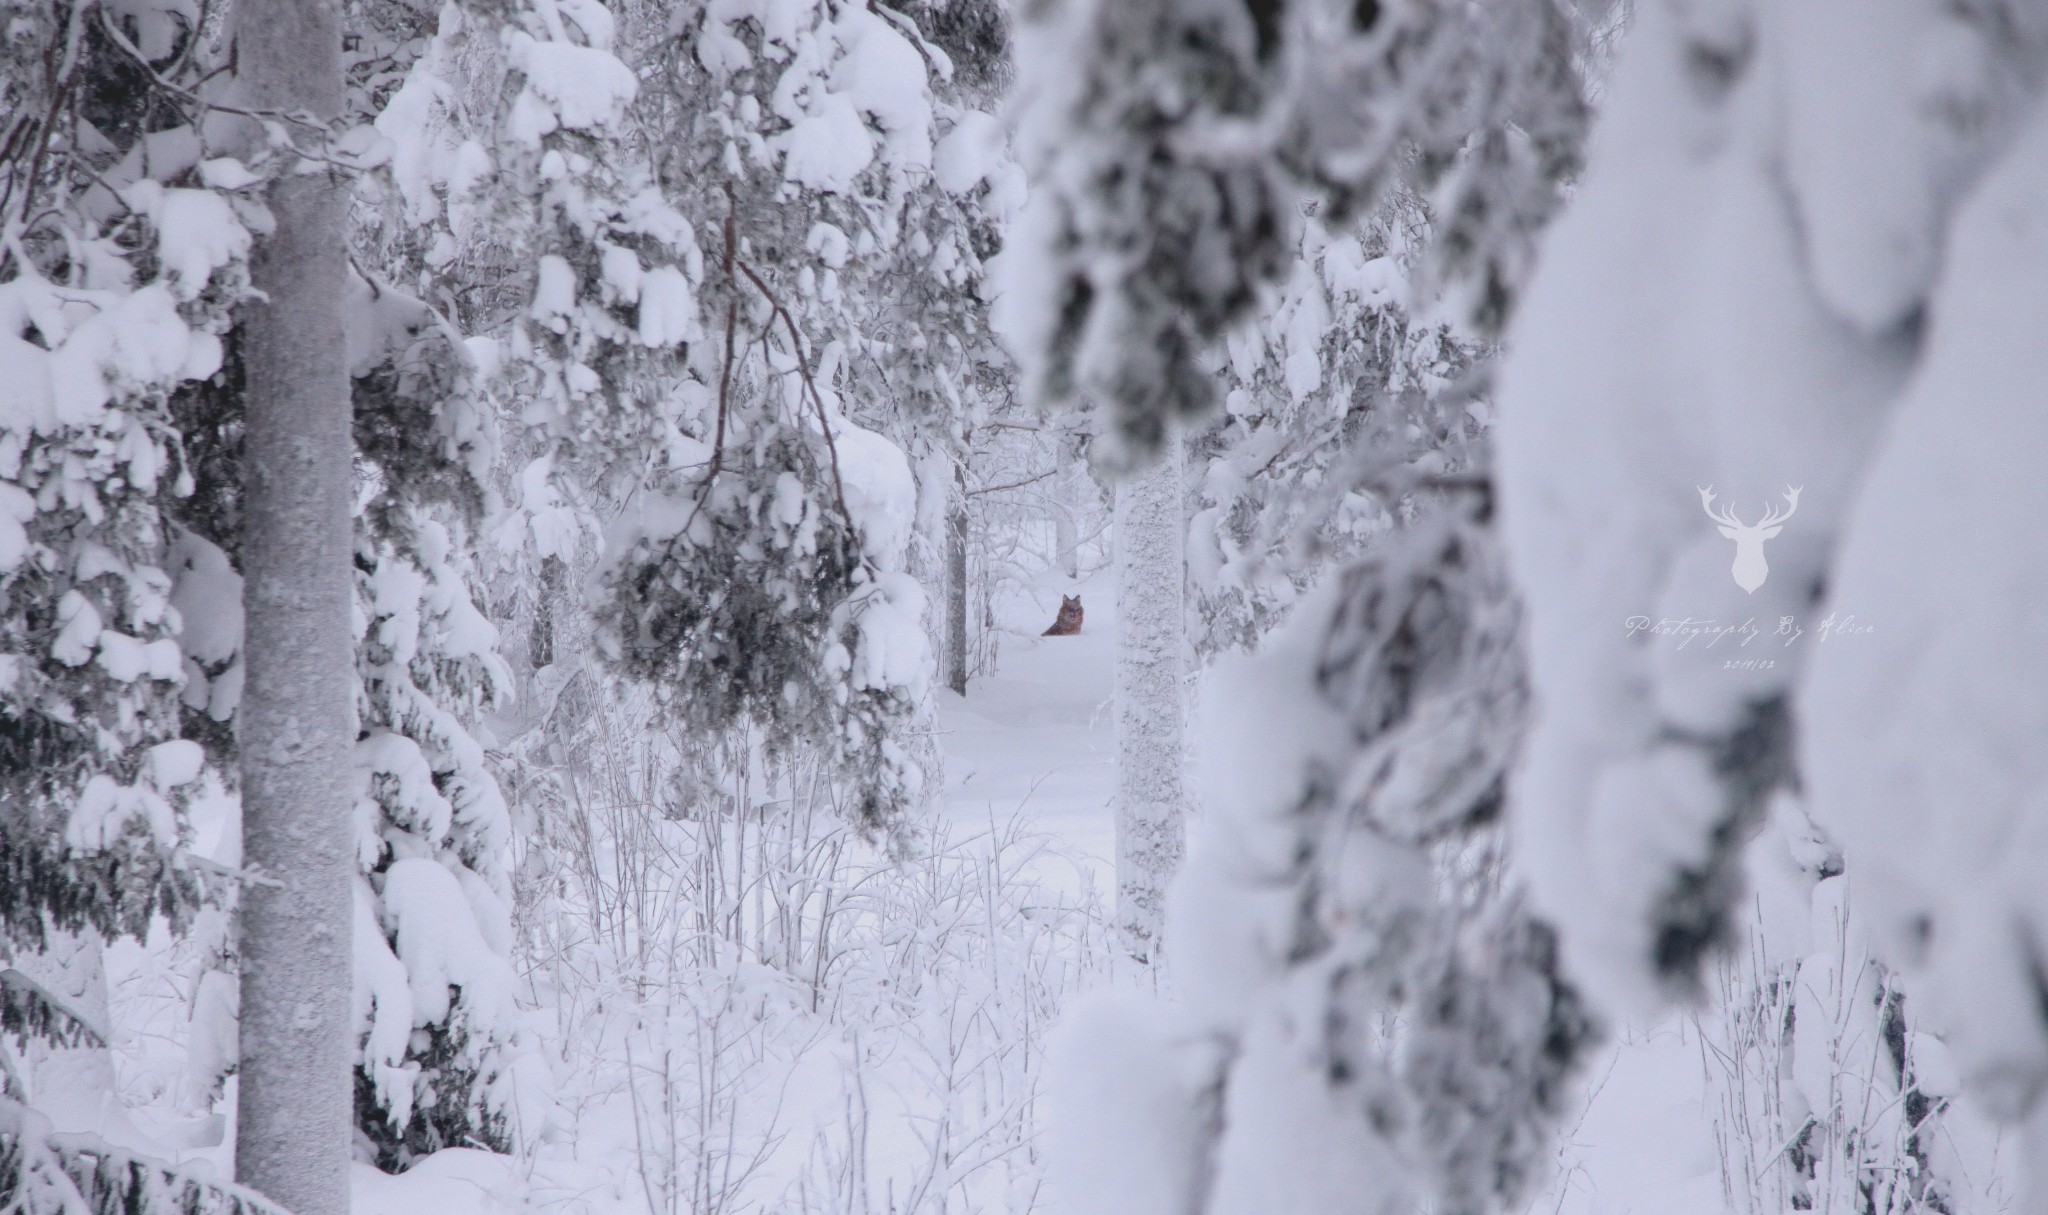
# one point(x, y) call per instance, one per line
point(1036, 738)
point(1029, 770)
point(1645, 1143)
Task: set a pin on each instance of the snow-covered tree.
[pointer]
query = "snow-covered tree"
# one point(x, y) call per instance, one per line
point(1168, 143)
point(428, 1041)
point(1151, 798)
point(117, 273)
point(679, 443)
point(683, 354)
point(295, 723)
point(1137, 249)
point(714, 331)
point(424, 657)
point(1811, 285)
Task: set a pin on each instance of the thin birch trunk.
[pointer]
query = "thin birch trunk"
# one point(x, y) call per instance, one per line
point(956, 586)
point(1150, 715)
point(295, 1120)
point(1065, 521)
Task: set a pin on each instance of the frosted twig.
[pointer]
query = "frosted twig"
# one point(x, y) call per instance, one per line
point(996, 489)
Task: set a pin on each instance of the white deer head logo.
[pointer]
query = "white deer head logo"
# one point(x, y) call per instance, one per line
point(1749, 568)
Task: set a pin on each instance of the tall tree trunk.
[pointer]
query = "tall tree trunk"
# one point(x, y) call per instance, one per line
point(956, 585)
point(1150, 713)
point(296, 724)
point(1066, 521)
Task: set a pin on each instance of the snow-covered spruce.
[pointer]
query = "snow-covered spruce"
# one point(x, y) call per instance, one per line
point(115, 281)
point(680, 300)
point(432, 831)
point(1165, 142)
point(1592, 480)
point(426, 665)
point(48, 1174)
point(1137, 249)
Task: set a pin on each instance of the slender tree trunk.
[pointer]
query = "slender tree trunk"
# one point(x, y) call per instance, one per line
point(541, 643)
point(956, 585)
point(1150, 714)
point(1066, 523)
point(296, 721)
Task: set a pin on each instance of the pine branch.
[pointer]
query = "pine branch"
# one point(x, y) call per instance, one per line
point(30, 1010)
point(43, 1173)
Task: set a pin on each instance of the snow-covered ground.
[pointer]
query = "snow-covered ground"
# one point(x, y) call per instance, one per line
point(1644, 1145)
point(1037, 738)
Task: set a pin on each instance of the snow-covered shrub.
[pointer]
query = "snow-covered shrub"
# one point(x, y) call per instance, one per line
point(1830, 1097)
point(434, 980)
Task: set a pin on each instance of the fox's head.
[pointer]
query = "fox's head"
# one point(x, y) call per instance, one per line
point(1070, 605)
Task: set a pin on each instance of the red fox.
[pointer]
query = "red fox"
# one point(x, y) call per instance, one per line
point(1069, 621)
